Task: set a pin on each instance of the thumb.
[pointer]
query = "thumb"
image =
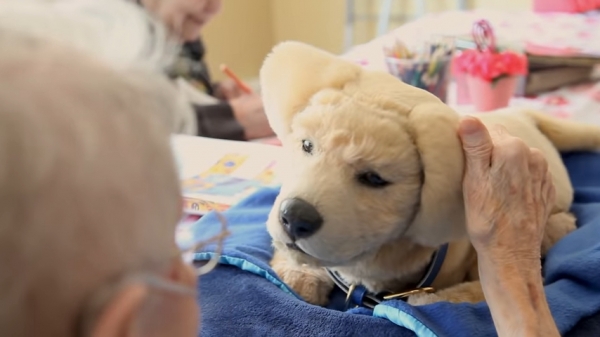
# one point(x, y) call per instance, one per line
point(477, 144)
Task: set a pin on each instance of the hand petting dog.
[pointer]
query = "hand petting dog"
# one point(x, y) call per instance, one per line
point(508, 193)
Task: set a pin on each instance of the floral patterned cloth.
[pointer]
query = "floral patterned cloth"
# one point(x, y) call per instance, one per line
point(564, 34)
point(579, 102)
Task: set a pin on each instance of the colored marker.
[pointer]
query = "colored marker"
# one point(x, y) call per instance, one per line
point(245, 88)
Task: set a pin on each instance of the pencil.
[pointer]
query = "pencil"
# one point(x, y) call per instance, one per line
point(245, 88)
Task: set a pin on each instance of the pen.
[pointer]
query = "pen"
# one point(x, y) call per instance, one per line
point(245, 88)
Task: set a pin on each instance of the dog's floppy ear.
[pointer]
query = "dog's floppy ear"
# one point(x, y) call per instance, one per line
point(292, 73)
point(441, 216)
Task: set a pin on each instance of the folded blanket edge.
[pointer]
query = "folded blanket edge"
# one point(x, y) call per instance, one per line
point(403, 319)
point(248, 266)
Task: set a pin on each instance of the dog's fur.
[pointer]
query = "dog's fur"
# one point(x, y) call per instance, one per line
point(362, 120)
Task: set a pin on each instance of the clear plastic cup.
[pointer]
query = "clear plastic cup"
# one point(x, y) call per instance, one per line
point(433, 78)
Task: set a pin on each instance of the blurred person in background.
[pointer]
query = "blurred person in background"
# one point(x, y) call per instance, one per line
point(234, 114)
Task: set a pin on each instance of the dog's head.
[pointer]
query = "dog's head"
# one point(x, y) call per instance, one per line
point(371, 159)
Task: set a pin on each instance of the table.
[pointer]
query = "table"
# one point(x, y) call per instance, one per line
point(579, 102)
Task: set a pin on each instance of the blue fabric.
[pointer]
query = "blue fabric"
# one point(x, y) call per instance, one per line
point(244, 297)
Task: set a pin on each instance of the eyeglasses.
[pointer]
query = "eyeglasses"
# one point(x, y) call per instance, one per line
point(97, 300)
point(188, 254)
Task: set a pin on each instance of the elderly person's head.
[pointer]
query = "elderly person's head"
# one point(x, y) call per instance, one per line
point(185, 18)
point(118, 33)
point(89, 198)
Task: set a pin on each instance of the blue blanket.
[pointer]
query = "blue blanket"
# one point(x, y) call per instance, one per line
point(244, 297)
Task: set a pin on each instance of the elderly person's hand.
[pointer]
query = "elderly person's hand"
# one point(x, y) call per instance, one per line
point(508, 194)
point(185, 18)
point(249, 111)
point(227, 90)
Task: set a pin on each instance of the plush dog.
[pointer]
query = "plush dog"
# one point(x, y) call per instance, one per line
point(372, 195)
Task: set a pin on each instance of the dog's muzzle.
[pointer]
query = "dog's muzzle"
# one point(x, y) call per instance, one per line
point(299, 218)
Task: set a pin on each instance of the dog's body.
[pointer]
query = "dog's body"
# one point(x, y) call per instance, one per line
point(375, 177)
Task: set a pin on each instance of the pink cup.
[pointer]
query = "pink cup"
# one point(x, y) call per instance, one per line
point(462, 89)
point(565, 6)
point(487, 96)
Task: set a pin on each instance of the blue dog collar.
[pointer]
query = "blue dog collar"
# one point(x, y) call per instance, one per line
point(359, 295)
point(434, 267)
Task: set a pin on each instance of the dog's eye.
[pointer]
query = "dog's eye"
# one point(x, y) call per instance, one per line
point(307, 146)
point(372, 179)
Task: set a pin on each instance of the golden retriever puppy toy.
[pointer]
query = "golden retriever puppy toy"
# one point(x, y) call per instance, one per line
point(372, 195)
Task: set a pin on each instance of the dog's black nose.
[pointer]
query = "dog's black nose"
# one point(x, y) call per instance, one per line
point(299, 218)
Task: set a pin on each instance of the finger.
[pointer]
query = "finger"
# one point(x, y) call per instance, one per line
point(537, 171)
point(477, 144)
point(232, 89)
point(230, 93)
point(511, 154)
point(548, 194)
point(498, 132)
point(229, 83)
point(548, 190)
point(227, 91)
point(538, 166)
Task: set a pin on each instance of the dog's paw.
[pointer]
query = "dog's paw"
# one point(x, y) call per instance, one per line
point(424, 299)
point(313, 285)
point(558, 226)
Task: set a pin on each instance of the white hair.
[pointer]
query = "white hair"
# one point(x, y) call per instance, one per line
point(88, 188)
point(117, 32)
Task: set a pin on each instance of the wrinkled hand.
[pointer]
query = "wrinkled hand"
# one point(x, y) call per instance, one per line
point(249, 111)
point(508, 193)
